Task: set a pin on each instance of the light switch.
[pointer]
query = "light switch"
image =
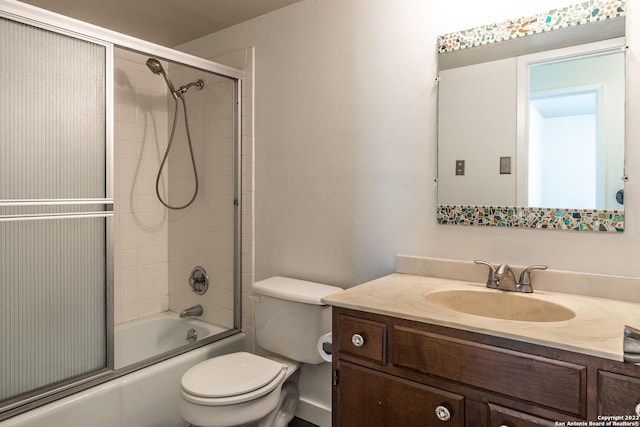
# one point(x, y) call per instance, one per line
point(459, 167)
point(505, 165)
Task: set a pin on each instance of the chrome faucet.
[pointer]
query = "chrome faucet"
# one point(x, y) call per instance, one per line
point(503, 278)
point(193, 311)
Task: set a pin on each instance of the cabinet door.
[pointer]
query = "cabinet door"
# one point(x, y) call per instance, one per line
point(618, 394)
point(363, 338)
point(504, 417)
point(367, 398)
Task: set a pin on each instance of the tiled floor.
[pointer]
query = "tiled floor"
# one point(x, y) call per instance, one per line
point(297, 422)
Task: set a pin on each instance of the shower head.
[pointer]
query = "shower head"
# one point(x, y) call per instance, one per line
point(156, 68)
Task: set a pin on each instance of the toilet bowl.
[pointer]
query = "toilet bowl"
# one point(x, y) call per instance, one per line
point(244, 389)
point(239, 389)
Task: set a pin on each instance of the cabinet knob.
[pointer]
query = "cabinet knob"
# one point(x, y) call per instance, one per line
point(638, 409)
point(357, 340)
point(443, 413)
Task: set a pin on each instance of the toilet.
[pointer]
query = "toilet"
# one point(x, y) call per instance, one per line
point(244, 389)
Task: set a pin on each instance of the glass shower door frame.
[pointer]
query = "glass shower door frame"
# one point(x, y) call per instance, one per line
point(43, 19)
point(26, 210)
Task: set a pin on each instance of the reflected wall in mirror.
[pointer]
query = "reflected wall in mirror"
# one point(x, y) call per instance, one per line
point(573, 109)
point(531, 121)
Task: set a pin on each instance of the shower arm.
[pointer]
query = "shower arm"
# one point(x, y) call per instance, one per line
point(183, 89)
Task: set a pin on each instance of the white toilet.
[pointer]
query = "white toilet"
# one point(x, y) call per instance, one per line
point(243, 389)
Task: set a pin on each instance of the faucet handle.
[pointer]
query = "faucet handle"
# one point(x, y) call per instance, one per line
point(492, 268)
point(491, 279)
point(525, 276)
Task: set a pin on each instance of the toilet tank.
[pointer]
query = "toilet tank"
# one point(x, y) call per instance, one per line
point(290, 318)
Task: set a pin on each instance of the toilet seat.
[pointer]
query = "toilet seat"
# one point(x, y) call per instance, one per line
point(230, 379)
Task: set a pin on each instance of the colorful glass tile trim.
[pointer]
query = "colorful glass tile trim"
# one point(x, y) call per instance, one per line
point(578, 14)
point(555, 219)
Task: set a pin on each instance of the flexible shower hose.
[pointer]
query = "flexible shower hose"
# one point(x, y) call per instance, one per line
point(166, 156)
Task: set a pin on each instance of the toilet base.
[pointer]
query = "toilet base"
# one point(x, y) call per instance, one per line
point(257, 413)
point(285, 411)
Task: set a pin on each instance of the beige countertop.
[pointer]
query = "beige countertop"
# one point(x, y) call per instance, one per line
point(596, 329)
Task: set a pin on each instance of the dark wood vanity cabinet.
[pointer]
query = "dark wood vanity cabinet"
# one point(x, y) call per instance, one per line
point(374, 399)
point(618, 394)
point(395, 372)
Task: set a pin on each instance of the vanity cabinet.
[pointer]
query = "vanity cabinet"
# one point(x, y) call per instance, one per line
point(395, 372)
point(618, 394)
point(500, 416)
point(373, 399)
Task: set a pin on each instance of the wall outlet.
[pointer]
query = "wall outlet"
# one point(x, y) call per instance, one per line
point(459, 167)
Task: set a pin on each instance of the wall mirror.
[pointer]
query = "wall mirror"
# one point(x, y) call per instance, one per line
point(531, 119)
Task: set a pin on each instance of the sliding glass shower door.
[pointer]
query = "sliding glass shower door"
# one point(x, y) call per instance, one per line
point(55, 210)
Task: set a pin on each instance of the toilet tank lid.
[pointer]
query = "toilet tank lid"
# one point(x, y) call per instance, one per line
point(294, 289)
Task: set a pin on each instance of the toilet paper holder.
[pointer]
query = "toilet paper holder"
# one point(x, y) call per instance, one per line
point(325, 347)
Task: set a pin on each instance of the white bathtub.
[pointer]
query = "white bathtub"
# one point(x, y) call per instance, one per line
point(144, 398)
point(152, 335)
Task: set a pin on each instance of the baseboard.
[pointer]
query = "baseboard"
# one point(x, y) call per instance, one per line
point(314, 412)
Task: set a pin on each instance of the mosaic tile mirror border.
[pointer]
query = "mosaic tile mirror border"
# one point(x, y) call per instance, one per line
point(578, 14)
point(543, 218)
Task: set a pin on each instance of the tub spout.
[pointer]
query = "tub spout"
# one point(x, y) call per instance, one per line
point(196, 310)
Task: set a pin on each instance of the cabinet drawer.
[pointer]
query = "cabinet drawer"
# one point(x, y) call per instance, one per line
point(500, 416)
point(373, 399)
point(555, 384)
point(363, 338)
point(618, 394)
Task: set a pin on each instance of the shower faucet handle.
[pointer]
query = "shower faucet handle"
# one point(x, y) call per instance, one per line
point(199, 280)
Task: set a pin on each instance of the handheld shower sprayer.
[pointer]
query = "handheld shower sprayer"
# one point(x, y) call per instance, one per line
point(156, 68)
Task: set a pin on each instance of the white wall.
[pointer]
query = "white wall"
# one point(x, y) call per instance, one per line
point(345, 143)
point(343, 162)
point(489, 132)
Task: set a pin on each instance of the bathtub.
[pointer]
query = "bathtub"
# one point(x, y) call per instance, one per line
point(152, 335)
point(147, 397)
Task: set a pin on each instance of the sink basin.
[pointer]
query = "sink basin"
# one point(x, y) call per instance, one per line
point(500, 305)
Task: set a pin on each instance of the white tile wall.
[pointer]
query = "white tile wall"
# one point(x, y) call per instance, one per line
point(156, 249)
point(141, 222)
point(203, 234)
